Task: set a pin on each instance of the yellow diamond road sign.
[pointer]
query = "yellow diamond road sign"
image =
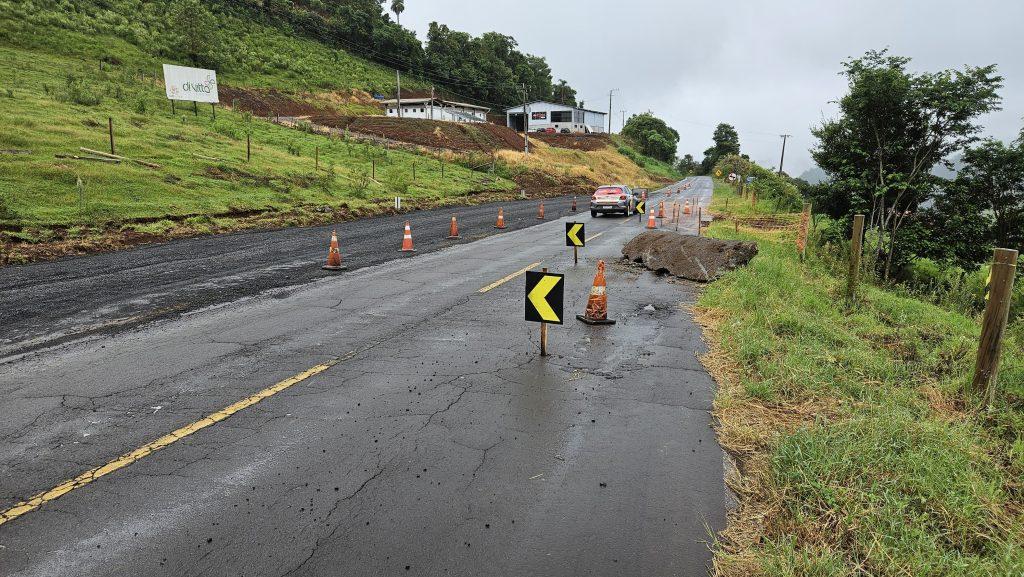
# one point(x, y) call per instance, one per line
point(575, 235)
point(718, 173)
point(544, 296)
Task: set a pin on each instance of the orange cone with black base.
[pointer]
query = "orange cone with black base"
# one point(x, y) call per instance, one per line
point(453, 230)
point(540, 212)
point(650, 220)
point(407, 239)
point(597, 304)
point(334, 255)
point(501, 219)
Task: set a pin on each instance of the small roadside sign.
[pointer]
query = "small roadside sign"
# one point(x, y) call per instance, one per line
point(718, 173)
point(545, 293)
point(641, 205)
point(575, 234)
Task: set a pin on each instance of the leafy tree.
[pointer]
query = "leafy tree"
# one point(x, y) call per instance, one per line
point(564, 94)
point(687, 165)
point(195, 31)
point(993, 178)
point(727, 141)
point(894, 127)
point(654, 137)
point(398, 6)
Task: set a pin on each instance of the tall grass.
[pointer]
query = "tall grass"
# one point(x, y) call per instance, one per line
point(861, 449)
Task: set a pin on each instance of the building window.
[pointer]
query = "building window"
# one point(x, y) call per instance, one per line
point(561, 116)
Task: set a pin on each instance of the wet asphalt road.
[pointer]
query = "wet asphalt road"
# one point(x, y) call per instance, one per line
point(441, 443)
point(46, 303)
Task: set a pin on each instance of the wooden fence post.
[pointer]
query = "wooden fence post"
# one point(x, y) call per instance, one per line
point(993, 325)
point(414, 171)
point(855, 250)
point(373, 169)
point(316, 155)
point(110, 129)
point(248, 147)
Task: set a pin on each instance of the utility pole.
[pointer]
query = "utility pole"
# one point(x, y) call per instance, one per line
point(784, 137)
point(398, 81)
point(431, 101)
point(610, 92)
point(623, 119)
point(526, 123)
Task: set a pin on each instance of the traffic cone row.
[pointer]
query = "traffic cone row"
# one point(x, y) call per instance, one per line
point(334, 252)
point(686, 207)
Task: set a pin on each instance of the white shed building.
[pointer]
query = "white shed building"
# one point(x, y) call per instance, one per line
point(436, 109)
point(560, 117)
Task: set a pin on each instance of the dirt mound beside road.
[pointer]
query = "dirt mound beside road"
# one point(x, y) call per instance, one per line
point(585, 142)
point(695, 258)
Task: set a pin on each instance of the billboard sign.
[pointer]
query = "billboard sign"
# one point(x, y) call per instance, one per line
point(196, 84)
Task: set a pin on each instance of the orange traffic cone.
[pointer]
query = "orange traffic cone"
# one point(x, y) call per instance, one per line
point(686, 207)
point(407, 239)
point(574, 204)
point(501, 219)
point(453, 230)
point(661, 209)
point(650, 220)
point(334, 255)
point(540, 212)
point(597, 304)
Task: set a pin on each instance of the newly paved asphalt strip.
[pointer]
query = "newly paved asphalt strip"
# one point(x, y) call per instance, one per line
point(46, 303)
point(434, 440)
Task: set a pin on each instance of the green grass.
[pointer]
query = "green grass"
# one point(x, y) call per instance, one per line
point(252, 54)
point(44, 115)
point(653, 166)
point(863, 449)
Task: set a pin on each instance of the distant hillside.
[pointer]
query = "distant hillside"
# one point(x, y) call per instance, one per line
point(814, 175)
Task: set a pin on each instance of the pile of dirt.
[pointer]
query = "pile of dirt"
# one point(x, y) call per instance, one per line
point(482, 137)
point(695, 258)
point(585, 142)
point(266, 102)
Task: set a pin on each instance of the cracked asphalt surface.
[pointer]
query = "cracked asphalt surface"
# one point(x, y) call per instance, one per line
point(440, 444)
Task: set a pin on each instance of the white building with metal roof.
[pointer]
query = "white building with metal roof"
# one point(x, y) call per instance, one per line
point(436, 109)
point(552, 117)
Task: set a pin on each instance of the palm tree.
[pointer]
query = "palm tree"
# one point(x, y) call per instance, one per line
point(398, 6)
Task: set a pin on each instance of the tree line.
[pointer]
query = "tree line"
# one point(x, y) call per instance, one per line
point(894, 128)
point(488, 68)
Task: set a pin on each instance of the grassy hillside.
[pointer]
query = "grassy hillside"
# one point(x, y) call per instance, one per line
point(256, 55)
point(67, 70)
point(859, 449)
point(54, 105)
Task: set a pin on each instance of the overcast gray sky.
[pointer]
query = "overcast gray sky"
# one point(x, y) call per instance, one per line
point(766, 67)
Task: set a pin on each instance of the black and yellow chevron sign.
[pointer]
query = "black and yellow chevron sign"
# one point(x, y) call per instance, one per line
point(640, 205)
point(575, 235)
point(544, 295)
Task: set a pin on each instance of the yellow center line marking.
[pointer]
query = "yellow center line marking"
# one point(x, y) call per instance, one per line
point(498, 283)
point(590, 238)
point(168, 439)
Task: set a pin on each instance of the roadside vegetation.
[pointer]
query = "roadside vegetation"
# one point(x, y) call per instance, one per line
point(859, 448)
point(54, 105)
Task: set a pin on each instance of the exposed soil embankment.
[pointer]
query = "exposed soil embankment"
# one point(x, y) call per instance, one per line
point(695, 258)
